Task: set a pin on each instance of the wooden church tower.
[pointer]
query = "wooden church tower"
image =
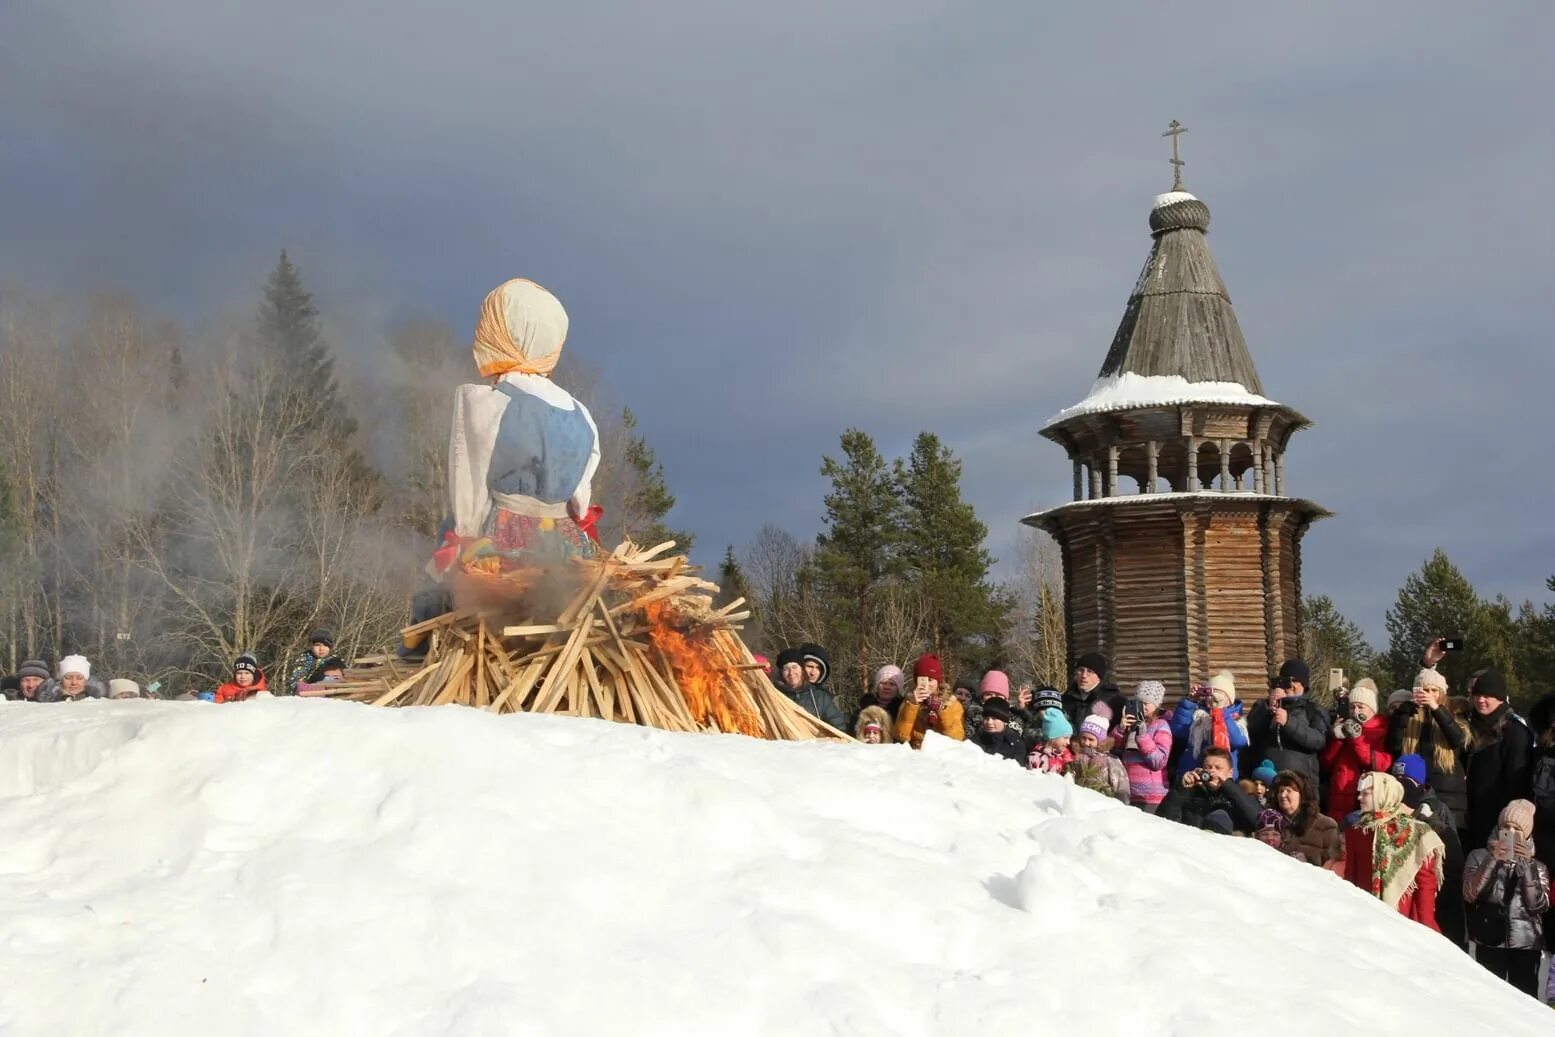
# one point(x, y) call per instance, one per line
point(1182, 545)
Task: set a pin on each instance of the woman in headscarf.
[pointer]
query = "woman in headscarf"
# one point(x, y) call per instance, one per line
point(1392, 856)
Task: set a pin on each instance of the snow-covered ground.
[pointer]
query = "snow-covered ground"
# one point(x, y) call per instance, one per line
point(307, 867)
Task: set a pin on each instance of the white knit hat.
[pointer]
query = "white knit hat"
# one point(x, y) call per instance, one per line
point(1223, 687)
point(1430, 679)
point(1364, 692)
point(1094, 725)
point(75, 664)
point(119, 687)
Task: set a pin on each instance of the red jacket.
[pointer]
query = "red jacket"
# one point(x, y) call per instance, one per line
point(233, 692)
point(1346, 759)
point(1419, 903)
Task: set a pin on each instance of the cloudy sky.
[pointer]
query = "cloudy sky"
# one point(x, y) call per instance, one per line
point(770, 222)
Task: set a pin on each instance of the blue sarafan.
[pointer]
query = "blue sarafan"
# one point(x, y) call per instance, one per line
point(1196, 566)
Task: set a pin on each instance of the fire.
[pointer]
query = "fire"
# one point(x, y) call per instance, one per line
point(712, 690)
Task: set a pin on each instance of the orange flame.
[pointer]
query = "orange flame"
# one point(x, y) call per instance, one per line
point(712, 691)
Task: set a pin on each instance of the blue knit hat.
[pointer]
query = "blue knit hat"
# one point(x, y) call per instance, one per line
point(1265, 773)
point(1056, 725)
point(1411, 768)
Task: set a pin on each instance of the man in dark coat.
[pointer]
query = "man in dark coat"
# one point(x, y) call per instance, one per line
point(1212, 800)
point(1500, 757)
point(1288, 729)
point(796, 685)
point(1086, 688)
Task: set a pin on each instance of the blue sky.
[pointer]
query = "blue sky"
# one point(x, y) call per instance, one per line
point(772, 222)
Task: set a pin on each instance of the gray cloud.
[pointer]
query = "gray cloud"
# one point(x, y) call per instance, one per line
point(771, 223)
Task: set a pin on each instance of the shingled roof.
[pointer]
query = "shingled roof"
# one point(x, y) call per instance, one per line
point(1179, 320)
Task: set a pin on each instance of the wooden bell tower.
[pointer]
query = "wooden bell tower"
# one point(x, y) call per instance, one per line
point(1196, 566)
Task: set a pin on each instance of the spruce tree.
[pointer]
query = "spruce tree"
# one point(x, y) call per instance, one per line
point(859, 550)
point(1330, 641)
point(945, 557)
point(648, 500)
point(289, 329)
point(732, 584)
point(1437, 601)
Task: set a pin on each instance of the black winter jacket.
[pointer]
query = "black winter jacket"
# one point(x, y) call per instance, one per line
point(1078, 704)
point(1193, 806)
point(1292, 746)
point(1006, 743)
point(1500, 770)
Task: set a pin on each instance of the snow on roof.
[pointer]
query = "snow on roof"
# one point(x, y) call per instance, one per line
point(1172, 198)
point(1128, 390)
point(303, 867)
point(1125, 499)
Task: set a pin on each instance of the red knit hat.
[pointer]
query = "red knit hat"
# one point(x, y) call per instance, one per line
point(928, 666)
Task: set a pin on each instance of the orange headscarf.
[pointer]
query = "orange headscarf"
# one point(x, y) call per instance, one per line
point(521, 328)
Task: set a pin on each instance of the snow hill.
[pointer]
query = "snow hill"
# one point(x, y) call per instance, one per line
point(311, 867)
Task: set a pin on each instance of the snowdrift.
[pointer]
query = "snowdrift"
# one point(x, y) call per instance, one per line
point(309, 867)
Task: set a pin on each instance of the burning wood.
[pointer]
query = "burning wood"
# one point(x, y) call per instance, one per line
point(632, 638)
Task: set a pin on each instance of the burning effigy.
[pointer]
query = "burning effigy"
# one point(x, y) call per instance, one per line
point(526, 611)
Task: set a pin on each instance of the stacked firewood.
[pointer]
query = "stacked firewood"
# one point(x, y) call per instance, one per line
point(632, 637)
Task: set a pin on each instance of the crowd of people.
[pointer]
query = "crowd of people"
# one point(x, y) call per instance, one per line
point(1443, 807)
point(72, 679)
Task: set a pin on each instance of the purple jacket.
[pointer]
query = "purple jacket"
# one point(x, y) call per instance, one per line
point(1146, 763)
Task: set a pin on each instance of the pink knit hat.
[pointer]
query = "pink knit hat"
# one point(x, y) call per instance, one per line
point(996, 683)
point(1518, 815)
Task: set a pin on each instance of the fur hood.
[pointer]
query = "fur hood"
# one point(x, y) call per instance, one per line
point(874, 715)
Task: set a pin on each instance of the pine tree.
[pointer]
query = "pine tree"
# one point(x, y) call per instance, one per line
point(648, 500)
point(289, 328)
point(1330, 641)
point(858, 551)
point(945, 558)
point(1438, 601)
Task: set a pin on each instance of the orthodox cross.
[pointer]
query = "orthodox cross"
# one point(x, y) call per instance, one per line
point(1177, 129)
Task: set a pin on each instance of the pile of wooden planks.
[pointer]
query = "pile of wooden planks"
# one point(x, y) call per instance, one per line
point(632, 637)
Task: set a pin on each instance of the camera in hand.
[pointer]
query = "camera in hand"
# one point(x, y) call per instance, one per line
point(1452, 644)
point(1206, 776)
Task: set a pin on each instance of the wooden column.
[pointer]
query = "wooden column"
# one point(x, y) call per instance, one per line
point(1279, 474)
point(1095, 482)
point(1152, 453)
point(1257, 446)
point(1112, 471)
point(1192, 481)
point(1079, 485)
point(1225, 466)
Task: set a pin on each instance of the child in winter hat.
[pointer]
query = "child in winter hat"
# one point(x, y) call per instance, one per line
point(1054, 754)
point(1151, 693)
point(119, 688)
point(1046, 697)
point(1095, 725)
point(995, 683)
point(1409, 769)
